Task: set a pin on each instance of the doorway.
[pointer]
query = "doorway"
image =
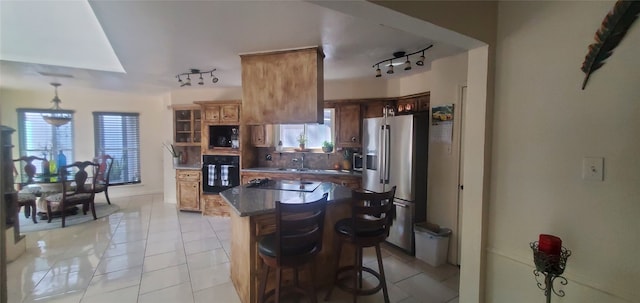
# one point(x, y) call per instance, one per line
point(461, 116)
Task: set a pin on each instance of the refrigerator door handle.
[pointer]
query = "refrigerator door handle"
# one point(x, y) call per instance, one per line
point(387, 153)
point(381, 157)
point(401, 205)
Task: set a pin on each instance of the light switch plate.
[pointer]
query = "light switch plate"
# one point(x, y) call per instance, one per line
point(593, 168)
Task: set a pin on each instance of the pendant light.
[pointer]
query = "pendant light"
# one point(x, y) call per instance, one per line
point(56, 116)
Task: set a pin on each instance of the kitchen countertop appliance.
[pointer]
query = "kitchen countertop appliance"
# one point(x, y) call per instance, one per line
point(395, 150)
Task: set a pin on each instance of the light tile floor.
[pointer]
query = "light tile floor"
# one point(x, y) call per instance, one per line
point(149, 252)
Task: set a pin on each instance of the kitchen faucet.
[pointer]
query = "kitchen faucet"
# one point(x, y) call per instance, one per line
point(301, 160)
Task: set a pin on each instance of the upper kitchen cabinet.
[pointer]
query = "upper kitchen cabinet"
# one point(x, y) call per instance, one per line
point(221, 112)
point(262, 135)
point(374, 108)
point(348, 118)
point(283, 87)
point(414, 103)
point(187, 125)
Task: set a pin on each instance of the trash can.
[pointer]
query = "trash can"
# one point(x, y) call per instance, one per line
point(432, 243)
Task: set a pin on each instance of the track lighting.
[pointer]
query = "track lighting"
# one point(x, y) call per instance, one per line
point(196, 72)
point(420, 61)
point(407, 63)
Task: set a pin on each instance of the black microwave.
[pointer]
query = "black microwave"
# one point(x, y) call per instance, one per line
point(223, 136)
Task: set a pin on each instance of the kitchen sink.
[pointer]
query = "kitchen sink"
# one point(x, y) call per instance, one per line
point(293, 169)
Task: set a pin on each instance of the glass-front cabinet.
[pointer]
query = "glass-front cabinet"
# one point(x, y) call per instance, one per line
point(187, 125)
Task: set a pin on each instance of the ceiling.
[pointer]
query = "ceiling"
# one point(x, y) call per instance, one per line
point(153, 41)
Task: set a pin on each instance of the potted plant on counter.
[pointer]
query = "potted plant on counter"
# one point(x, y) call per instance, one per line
point(302, 140)
point(327, 146)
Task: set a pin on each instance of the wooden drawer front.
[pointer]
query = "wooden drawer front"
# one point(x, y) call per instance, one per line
point(212, 113)
point(229, 113)
point(191, 175)
point(214, 205)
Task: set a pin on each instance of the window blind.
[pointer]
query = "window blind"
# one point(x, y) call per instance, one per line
point(118, 135)
point(38, 138)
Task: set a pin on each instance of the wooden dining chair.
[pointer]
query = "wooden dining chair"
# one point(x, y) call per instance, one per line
point(73, 195)
point(26, 197)
point(102, 179)
point(298, 238)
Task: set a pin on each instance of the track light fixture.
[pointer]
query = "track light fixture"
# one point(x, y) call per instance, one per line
point(407, 63)
point(196, 72)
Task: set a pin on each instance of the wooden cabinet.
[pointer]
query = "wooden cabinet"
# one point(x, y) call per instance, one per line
point(348, 121)
point(221, 113)
point(188, 189)
point(414, 103)
point(187, 125)
point(374, 109)
point(262, 135)
point(283, 87)
point(214, 205)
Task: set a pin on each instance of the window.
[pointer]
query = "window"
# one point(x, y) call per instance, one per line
point(315, 133)
point(117, 135)
point(39, 138)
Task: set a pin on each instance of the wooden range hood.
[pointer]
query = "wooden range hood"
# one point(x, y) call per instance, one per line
point(283, 87)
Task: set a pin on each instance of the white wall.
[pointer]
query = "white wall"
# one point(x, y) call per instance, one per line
point(544, 125)
point(86, 101)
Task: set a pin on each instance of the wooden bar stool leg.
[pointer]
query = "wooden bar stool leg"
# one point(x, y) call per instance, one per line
point(263, 283)
point(312, 288)
point(33, 212)
point(356, 271)
point(336, 264)
point(278, 283)
point(383, 279)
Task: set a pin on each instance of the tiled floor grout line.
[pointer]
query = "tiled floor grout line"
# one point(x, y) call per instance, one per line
point(184, 250)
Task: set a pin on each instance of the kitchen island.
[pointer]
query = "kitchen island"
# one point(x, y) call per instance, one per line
point(253, 215)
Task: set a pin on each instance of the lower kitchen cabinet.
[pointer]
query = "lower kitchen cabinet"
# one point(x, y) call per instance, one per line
point(214, 205)
point(188, 189)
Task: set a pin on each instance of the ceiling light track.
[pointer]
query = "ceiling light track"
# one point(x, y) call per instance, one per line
point(407, 63)
point(196, 72)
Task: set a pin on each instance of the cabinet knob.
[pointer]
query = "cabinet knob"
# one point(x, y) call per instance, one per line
point(353, 139)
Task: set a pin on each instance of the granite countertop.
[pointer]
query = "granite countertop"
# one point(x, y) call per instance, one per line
point(188, 166)
point(248, 201)
point(303, 171)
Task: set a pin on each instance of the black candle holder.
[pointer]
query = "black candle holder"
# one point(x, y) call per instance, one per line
point(551, 267)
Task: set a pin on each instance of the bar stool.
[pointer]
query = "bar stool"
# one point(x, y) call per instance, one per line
point(371, 218)
point(298, 238)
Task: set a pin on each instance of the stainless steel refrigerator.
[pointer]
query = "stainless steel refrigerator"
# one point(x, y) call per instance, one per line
point(395, 150)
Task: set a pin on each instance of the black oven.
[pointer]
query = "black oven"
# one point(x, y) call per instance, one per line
point(220, 173)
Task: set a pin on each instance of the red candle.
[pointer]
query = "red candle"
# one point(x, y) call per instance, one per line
point(550, 245)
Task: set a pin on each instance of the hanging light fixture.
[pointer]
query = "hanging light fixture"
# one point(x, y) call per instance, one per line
point(56, 116)
point(194, 72)
point(407, 63)
point(420, 61)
